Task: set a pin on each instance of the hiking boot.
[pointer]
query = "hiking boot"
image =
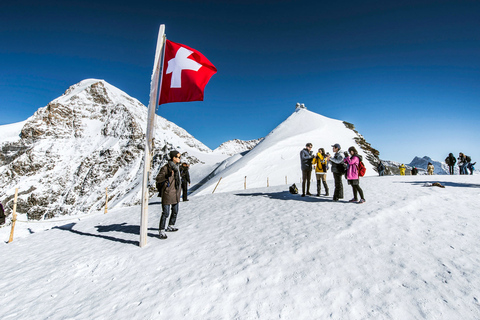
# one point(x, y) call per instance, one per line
point(303, 195)
point(162, 235)
point(171, 229)
point(353, 200)
point(361, 201)
point(309, 194)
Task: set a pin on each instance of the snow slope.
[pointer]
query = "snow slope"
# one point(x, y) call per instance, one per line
point(409, 252)
point(277, 157)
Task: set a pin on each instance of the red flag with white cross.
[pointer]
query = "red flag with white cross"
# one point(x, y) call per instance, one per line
point(186, 72)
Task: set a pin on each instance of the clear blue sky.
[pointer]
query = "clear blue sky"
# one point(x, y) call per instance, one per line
point(406, 73)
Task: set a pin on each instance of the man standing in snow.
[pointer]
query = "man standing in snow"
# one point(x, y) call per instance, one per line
point(185, 175)
point(168, 182)
point(338, 171)
point(2, 215)
point(306, 156)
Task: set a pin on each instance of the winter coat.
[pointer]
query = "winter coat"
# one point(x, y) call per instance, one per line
point(320, 162)
point(402, 170)
point(462, 161)
point(184, 174)
point(169, 178)
point(352, 171)
point(337, 161)
point(2, 215)
point(450, 160)
point(430, 169)
point(306, 160)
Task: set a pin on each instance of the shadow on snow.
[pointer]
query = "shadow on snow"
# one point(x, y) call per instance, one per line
point(285, 195)
point(445, 183)
point(122, 227)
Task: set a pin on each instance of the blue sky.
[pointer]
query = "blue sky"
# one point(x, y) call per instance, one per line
point(406, 73)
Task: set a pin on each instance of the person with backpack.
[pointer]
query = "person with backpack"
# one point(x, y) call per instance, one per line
point(185, 175)
point(338, 170)
point(414, 171)
point(430, 169)
point(381, 169)
point(320, 162)
point(2, 214)
point(306, 157)
point(168, 185)
point(450, 161)
point(470, 167)
point(462, 163)
point(353, 173)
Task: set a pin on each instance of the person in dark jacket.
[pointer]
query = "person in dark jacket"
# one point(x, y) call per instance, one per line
point(414, 171)
point(168, 183)
point(306, 157)
point(381, 169)
point(338, 172)
point(462, 163)
point(2, 214)
point(450, 161)
point(185, 175)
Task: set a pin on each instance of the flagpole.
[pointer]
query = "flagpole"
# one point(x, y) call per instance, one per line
point(154, 84)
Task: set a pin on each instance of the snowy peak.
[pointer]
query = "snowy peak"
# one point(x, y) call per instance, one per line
point(276, 161)
point(91, 138)
point(235, 146)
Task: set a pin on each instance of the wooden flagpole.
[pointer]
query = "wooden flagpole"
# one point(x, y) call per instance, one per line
point(154, 84)
point(14, 216)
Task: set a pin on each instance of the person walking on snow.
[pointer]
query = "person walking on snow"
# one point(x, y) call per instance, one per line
point(168, 179)
point(450, 161)
point(185, 175)
point(430, 169)
point(402, 170)
point(320, 162)
point(353, 162)
point(338, 171)
point(306, 157)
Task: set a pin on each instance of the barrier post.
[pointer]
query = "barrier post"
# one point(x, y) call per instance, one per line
point(267, 183)
point(106, 200)
point(245, 183)
point(14, 215)
point(217, 185)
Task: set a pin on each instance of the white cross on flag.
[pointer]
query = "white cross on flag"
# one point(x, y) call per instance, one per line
point(186, 72)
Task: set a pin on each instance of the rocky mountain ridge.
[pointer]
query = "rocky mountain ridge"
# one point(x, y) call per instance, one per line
point(89, 139)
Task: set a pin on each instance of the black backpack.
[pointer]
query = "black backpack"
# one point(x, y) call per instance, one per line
point(293, 189)
point(468, 158)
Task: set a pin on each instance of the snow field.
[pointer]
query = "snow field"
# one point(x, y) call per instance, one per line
point(409, 252)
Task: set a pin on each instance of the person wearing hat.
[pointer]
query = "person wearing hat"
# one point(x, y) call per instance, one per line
point(168, 182)
point(338, 172)
point(306, 156)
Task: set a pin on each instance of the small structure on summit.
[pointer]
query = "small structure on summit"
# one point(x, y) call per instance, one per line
point(300, 106)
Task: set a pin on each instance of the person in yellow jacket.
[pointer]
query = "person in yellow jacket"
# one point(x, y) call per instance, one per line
point(430, 169)
point(402, 170)
point(321, 166)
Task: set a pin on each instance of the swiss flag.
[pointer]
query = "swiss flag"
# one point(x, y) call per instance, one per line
point(185, 74)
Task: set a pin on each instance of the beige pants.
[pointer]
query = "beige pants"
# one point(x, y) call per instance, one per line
point(321, 176)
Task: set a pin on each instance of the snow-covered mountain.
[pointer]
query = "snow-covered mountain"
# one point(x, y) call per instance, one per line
point(276, 159)
point(422, 163)
point(92, 137)
point(235, 146)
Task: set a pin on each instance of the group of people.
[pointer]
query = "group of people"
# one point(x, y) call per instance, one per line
point(463, 161)
point(172, 180)
point(346, 164)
